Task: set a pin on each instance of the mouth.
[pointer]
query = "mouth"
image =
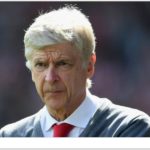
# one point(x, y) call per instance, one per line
point(53, 92)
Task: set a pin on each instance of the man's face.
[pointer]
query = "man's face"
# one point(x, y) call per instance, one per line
point(59, 76)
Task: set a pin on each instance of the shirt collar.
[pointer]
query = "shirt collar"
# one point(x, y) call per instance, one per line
point(79, 118)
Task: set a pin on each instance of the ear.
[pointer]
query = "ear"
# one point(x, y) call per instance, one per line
point(90, 67)
point(32, 75)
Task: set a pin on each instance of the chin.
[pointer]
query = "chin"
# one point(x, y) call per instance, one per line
point(55, 104)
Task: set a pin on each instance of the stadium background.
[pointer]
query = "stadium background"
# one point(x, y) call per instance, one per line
point(123, 55)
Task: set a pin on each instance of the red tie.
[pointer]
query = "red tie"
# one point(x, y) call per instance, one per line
point(62, 130)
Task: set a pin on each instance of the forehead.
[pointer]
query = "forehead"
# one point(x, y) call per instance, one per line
point(56, 52)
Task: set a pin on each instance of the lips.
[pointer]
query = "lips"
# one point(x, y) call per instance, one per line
point(52, 92)
point(55, 91)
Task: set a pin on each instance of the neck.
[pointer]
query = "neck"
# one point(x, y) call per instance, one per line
point(59, 115)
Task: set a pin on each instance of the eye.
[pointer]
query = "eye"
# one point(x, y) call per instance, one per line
point(40, 66)
point(63, 64)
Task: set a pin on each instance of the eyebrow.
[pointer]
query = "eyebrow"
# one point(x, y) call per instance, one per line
point(39, 56)
point(44, 58)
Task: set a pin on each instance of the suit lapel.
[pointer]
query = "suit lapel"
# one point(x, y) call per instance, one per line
point(37, 131)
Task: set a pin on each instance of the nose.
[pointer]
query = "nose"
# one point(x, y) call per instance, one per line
point(51, 75)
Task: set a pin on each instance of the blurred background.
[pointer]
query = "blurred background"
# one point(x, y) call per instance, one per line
point(123, 55)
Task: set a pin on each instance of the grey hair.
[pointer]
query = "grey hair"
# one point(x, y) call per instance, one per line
point(67, 24)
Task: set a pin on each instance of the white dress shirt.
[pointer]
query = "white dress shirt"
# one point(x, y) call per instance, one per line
point(79, 118)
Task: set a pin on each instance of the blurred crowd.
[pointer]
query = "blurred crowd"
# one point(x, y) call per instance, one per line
point(123, 54)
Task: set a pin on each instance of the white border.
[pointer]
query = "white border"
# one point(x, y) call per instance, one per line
point(75, 143)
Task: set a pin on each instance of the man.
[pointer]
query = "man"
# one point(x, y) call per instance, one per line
point(60, 52)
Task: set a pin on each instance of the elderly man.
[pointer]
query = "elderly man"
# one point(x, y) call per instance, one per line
point(60, 52)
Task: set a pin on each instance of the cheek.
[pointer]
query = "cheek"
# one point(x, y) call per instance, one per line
point(74, 80)
point(38, 81)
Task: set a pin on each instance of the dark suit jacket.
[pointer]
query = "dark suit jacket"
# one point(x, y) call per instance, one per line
point(110, 120)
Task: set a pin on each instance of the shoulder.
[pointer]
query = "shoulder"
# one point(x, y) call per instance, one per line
point(21, 128)
point(117, 111)
point(115, 120)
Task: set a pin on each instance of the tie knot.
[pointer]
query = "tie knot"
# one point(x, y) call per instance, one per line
point(62, 130)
